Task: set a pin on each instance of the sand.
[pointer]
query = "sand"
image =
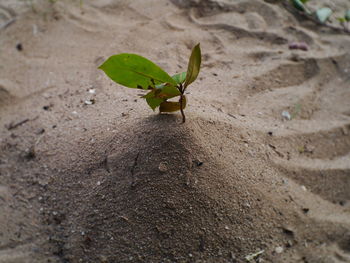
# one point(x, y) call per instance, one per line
point(116, 182)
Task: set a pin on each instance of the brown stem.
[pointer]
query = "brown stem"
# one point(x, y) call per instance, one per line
point(182, 90)
point(181, 108)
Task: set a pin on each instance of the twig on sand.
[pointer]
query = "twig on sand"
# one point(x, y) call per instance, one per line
point(7, 23)
point(9, 14)
point(12, 125)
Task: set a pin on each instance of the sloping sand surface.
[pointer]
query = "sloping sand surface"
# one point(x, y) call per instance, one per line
point(115, 182)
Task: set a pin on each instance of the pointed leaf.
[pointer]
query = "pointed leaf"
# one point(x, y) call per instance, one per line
point(323, 14)
point(193, 65)
point(180, 77)
point(135, 71)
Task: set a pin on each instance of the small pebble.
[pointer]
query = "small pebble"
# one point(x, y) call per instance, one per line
point(92, 91)
point(19, 47)
point(286, 115)
point(279, 250)
point(163, 167)
point(89, 102)
point(306, 210)
point(198, 162)
point(299, 45)
point(40, 131)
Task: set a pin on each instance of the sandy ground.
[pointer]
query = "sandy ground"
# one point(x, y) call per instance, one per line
point(116, 182)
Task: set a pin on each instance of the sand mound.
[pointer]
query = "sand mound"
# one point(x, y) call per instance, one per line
point(160, 197)
point(115, 182)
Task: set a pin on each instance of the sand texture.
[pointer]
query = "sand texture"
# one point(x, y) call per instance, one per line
point(116, 182)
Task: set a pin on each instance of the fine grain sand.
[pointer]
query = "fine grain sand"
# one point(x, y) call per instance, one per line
point(116, 182)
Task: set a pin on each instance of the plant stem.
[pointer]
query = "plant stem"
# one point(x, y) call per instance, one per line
point(182, 90)
point(182, 110)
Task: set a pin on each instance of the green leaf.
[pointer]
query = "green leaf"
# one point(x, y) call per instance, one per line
point(323, 14)
point(304, 1)
point(193, 66)
point(154, 102)
point(135, 71)
point(162, 93)
point(180, 77)
point(165, 92)
point(341, 19)
point(299, 4)
point(170, 91)
point(347, 15)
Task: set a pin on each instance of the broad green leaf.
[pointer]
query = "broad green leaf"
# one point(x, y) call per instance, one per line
point(193, 65)
point(135, 71)
point(347, 15)
point(180, 77)
point(323, 14)
point(304, 1)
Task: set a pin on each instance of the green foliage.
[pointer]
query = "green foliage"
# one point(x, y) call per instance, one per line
point(193, 66)
point(341, 19)
point(164, 92)
point(180, 77)
point(299, 4)
point(135, 71)
point(346, 17)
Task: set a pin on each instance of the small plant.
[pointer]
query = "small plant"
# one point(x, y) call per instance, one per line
point(134, 71)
